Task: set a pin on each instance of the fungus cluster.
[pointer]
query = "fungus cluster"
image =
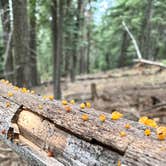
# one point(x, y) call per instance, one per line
point(116, 115)
point(148, 122)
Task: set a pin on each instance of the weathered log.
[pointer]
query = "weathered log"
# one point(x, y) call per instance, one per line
point(72, 140)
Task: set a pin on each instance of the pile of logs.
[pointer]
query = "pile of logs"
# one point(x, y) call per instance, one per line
point(45, 133)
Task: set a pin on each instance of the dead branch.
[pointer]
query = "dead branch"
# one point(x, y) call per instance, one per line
point(133, 40)
point(140, 59)
point(150, 62)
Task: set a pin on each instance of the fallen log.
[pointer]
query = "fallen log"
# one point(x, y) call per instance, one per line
point(148, 62)
point(48, 135)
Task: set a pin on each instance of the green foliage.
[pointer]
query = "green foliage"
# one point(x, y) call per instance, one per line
point(108, 35)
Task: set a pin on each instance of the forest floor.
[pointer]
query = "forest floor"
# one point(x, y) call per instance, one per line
point(130, 90)
point(134, 89)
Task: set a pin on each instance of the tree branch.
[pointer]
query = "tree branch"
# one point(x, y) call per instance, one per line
point(133, 40)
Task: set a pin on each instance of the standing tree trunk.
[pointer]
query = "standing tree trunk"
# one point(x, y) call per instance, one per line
point(7, 37)
point(124, 46)
point(32, 44)
point(88, 51)
point(21, 43)
point(81, 37)
point(57, 20)
point(145, 44)
point(75, 42)
point(68, 36)
point(89, 37)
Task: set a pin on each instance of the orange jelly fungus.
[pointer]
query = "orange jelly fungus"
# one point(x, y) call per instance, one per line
point(116, 115)
point(161, 133)
point(7, 104)
point(88, 104)
point(147, 132)
point(82, 105)
point(85, 117)
point(122, 133)
point(64, 102)
point(68, 108)
point(72, 102)
point(127, 126)
point(51, 97)
point(148, 122)
point(102, 118)
point(10, 94)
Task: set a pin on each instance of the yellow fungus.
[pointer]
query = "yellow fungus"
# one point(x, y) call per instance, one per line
point(147, 132)
point(51, 97)
point(7, 82)
point(88, 104)
point(23, 90)
point(16, 88)
point(72, 102)
point(64, 102)
point(143, 119)
point(2, 80)
point(40, 107)
point(44, 97)
point(122, 134)
point(82, 105)
point(102, 118)
point(119, 163)
point(116, 115)
point(32, 92)
point(67, 108)
point(7, 104)
point(127, 126)
point(10, 94)
point(85, 117)
point(148, 122)
point(161, 133)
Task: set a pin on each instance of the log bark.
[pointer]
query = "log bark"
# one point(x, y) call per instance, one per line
point(72, 140)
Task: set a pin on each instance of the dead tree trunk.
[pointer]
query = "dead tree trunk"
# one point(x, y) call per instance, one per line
point(45, 126)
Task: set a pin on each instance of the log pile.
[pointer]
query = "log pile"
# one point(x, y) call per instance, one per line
point(47, 132)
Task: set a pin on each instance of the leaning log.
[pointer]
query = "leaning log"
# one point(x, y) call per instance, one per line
point(48, 135)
